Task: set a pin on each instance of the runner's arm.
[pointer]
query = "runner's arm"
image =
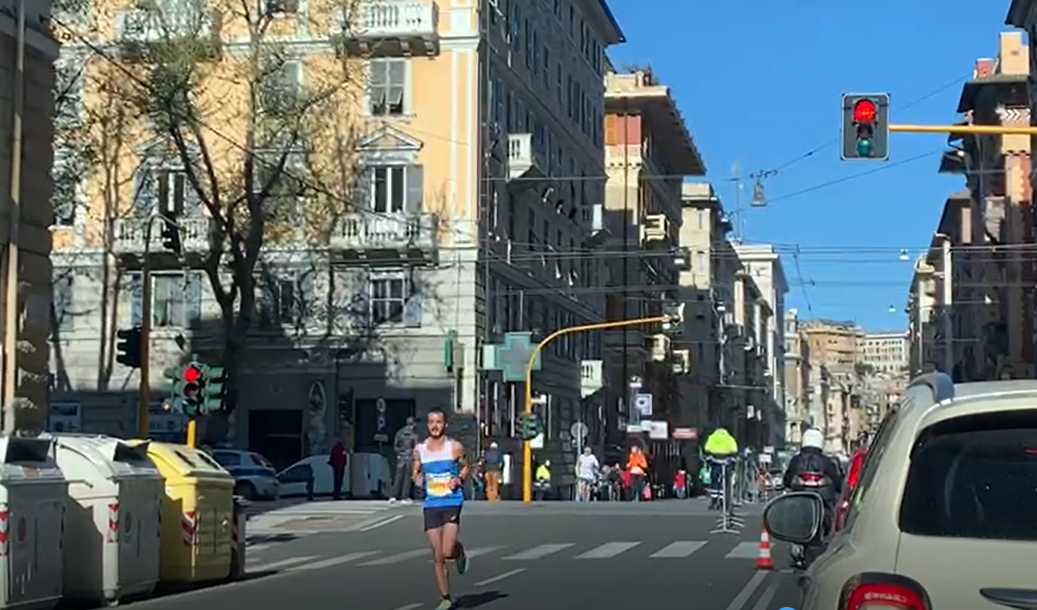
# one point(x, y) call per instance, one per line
point(462, 460)
point(415, 466)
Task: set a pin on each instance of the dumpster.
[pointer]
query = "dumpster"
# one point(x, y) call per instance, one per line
point(197, 515)
point(111, 516)
point(32, 504)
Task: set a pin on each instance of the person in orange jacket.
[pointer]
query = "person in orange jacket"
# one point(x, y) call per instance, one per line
point(637, 465)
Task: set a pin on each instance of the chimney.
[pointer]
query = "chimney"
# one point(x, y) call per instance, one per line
point(984, 67)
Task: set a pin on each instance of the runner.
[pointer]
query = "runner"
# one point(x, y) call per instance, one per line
point(439, 464)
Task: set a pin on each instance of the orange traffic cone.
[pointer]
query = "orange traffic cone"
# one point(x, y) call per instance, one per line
point(763, 560)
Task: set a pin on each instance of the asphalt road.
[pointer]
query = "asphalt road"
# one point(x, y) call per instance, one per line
point(560, 557)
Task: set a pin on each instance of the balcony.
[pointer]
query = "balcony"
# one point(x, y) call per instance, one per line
point(655, 230)
point(682, 361)
point(370, 234)
point(659, 347)
point(129, 236)
point(592, 376)
point(389, 29)
point(138, 30)
point(522, 158)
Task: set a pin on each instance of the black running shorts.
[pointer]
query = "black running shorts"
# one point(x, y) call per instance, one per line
point(438, 516)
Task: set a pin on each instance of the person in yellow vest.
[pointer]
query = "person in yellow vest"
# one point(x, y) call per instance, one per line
point(542, 480)
point(719, 447)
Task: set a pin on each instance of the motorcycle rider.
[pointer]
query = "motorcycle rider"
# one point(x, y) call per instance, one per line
point(811, 460)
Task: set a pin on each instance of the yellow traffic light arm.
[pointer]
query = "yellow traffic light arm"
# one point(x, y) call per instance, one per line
point(527, 448)
point(994, 130)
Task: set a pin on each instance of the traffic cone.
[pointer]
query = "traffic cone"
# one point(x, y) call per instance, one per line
point(763, 560)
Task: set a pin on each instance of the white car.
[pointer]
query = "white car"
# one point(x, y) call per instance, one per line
point(370, 471)
point(945, 511)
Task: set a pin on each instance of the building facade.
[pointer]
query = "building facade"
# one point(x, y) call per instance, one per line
point(885, 352)
point(25, 187)
point(833, 352)
point(797, 375)
point(474, 139)
point(648, 152)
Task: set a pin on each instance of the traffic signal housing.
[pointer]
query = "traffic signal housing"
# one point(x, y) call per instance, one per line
point(865, 127)
point(187, 384)
point(529, 426)
point(214, 389)
point(129, 347)
point(171, 235)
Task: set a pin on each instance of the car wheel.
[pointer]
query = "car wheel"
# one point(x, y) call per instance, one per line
point(245, 490)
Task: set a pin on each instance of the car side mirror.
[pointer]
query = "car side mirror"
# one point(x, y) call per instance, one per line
point(794, 517)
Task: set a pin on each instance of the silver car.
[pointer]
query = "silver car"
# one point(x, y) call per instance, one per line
point(254, 476)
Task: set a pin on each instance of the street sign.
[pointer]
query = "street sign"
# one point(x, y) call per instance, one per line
point(578, 430)
point(513, 356)
point(381, 435)
point(643, 404)
point(685, 434)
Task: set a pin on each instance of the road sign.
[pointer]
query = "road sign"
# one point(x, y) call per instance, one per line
point(380, 435)
point(643, 404)
point(578, 430)
point(685, 434)
point(513, 356)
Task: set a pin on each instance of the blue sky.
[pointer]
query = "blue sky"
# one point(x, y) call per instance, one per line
point(759, 83)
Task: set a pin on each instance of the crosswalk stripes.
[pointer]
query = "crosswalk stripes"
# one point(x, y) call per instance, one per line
point(600, 551)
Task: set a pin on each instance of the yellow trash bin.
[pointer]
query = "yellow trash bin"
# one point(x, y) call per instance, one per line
point(197, 515)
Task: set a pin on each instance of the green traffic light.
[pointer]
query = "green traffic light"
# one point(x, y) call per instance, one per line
point(864, 147)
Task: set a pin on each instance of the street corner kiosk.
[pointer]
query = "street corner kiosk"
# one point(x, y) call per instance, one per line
point(33, 493)
point(197, 515)
point(112, 517)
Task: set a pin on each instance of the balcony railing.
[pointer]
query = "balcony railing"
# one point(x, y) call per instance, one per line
point(129, 234)
point(398, 27)
point(521, 155)
point(372, 231)
point(592, 376)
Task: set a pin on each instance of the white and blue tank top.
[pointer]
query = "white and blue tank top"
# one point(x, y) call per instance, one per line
point(439, 469)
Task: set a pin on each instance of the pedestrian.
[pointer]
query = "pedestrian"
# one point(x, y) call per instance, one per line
point(586, 472)
point(404, 442)
point(440, 467)
point(493, 466)
point(337, 460)
point(637, 464)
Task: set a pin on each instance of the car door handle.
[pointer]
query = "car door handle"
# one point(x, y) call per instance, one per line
point(1022, 599)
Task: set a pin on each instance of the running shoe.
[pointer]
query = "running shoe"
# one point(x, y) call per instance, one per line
point(462, 563)
point(445, 604)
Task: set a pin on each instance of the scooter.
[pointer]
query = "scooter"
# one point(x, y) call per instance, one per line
point(815, 482)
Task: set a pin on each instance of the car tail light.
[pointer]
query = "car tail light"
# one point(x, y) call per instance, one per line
point(875, 592)
point(855, 470)
point(811, 477)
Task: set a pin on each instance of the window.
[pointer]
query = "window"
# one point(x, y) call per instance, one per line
point(281, 87)
point(388, 297)
point(227, 458)
point(395, 189)
point(287, 298)
point(176, 299)
point(300, 473)
point(62, 300)
point(172, 188)
point(388, 87)
point(974, 477)
point(870, 467)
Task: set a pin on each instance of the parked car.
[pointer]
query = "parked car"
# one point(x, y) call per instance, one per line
point(370, 472)
point(942, 515)
point(254, 476)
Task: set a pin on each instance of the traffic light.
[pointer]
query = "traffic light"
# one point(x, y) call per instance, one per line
point(214, 389)
point(674, 323)
point(187, 384)
point(171, 235)
point(865, 127)
point(129, 346)
point(529, 426)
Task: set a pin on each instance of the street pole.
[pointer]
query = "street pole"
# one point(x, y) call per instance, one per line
point(527, 448)
point(948, 297)
point(15, 220)
point(144, 404)
point(990, 130)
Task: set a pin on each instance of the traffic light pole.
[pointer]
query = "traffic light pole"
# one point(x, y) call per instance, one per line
point(992, 130)
point(527, 448)
point(144, 406)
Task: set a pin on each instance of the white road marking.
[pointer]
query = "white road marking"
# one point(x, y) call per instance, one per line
point(499, 577)
point(397, 558)
point(381, 523)
point(608, 550)
point(744, 550)
point(485, 550)
point(410, 607)
point(284, 563)
point(538, 552)
point(768, 594)
point(740, 600)
point(678, 550)
point(255, 548)
point(334, 561)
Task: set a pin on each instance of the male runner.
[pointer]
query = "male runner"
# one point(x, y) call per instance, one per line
point(440, 464)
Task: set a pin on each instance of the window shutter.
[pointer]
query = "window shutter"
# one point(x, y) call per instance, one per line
point(307, 297)
point(365, 185)
point(136, 294)
point(415, 188)
point(360, 300)
point(193, 298)
point(144, 192)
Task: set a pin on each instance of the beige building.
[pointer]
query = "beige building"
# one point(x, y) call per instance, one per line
point(884, 352)
point(31, 378)
point(833, 349)
point(648, 151)
point(921, 313)
point(469, 129)
point(988, 332)
point(797, 376)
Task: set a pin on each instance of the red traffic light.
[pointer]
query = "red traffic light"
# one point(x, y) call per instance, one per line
point(865, 111)
point(192, 374)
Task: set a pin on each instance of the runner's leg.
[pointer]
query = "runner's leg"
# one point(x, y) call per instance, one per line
point(435, 540)
point(453, 548)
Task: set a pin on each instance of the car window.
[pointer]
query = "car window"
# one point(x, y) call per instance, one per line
point(296, 474)
point(871, 460)
point(227, 458)
point(972, 479)
point(259, 460)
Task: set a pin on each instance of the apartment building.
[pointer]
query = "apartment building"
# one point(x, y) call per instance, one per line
point(884, 352)
point(648, 152)
point(763, 263)
point(470, 131)
point(921, 315)
point(797, 375)
point(833, 352)
point(24, 213)
point(990, 301)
